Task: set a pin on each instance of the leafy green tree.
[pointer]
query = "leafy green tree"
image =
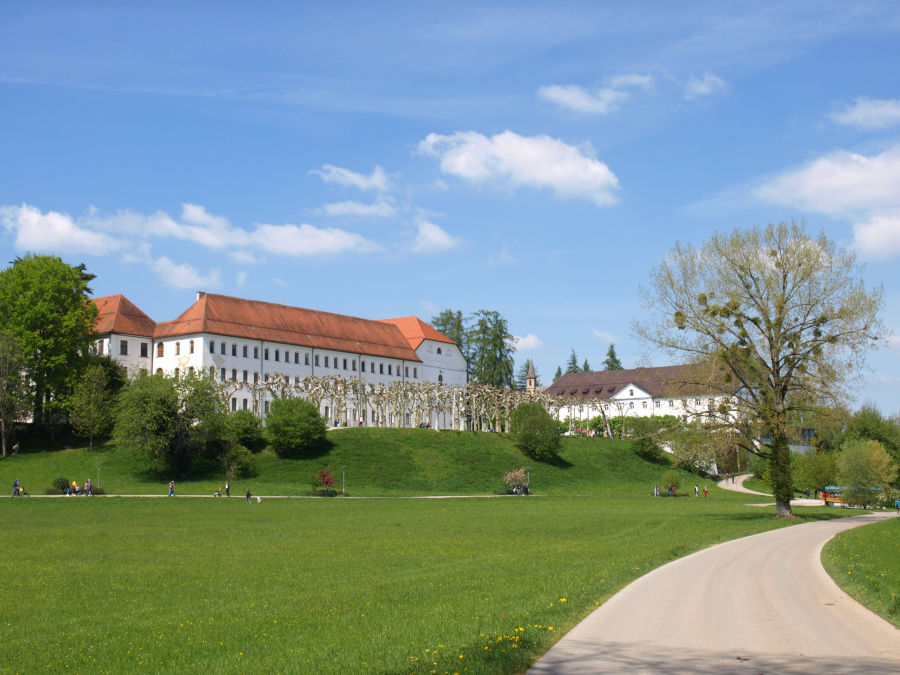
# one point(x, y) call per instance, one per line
point(173, 424)
point(45, 303)
point(862, 465)
point(146, 420)
point(13, 388)
point(243, 428)
point(782, 319)
point(586, 367)
point(535, 432)
point(558, 374)
point(452, 324)
point(294, 427)
point(817, 469)
point(868, 423)
point(611, 362)
point(492, 347)
point(572, 364)
point(91, 403)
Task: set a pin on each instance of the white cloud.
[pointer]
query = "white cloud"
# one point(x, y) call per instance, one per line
point(53, 232)
point(604, 336)
point(241, 278)
point(581, 100)
point(377, 180)
point(184, 275)
point(306, 240)
point(381, 208)
point(879, 236)
point(838, 184)
point(431, 238)
point(631, 80)
point(528, 342)
point(536, 161)
point(703, 86)
point(869, 113)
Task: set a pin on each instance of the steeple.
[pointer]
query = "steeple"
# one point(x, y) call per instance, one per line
point(530, 378)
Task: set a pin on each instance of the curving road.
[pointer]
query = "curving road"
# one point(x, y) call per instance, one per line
point(761, 604)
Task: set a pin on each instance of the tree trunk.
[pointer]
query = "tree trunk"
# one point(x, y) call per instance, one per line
point(782, 485)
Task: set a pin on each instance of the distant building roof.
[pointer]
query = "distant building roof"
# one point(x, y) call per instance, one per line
point(659, 382)
point(417, 331)
point(117, 314)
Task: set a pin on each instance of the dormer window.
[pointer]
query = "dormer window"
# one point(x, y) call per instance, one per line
point(438, 350)
point(631, 392)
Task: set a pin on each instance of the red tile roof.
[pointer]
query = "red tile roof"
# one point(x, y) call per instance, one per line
point(117, 314)
point(417, 331)
point(256, 320)
point(659, 382)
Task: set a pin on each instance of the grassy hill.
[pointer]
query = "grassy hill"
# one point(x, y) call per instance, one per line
point(389, 462)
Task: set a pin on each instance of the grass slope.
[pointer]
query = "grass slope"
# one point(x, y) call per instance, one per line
point(377, 462)
point(865, 562)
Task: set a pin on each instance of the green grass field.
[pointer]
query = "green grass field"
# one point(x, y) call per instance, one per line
point(387, 585)
point(865, 562)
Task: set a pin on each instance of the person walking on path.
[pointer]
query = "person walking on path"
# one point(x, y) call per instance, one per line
point(696, 492)
point(227, 489)
point(16, 488)
point(249, 495)
point(705, 492)
point(171, 488)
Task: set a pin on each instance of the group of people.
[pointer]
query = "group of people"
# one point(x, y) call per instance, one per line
point(518, 489)
point(731, 476)
point(672, 491)
point(87, 489)
point(697, 492)
point(18, 490)
point(227, 490)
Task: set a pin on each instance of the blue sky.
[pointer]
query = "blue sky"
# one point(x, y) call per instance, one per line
point(399, 158)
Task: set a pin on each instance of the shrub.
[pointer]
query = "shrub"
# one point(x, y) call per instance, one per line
point(535, 432)
point(670, 477)
point(243, 428)
point(294, 427)
point(239, 463)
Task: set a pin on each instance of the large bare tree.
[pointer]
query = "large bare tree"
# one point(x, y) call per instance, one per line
point(785, 320)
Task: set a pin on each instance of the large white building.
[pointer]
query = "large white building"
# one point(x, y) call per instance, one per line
point(248, 341)
point(683, 391)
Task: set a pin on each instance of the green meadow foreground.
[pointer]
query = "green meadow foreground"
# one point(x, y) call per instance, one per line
point(480, 585)
point(865, 562)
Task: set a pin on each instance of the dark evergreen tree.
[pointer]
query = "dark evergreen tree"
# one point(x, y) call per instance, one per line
point(586, 368)
point(492, 347)
point(572, 364)
point(559, 373)
point(612, 361)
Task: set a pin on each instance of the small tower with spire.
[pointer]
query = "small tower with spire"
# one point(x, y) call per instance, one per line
point(530, 378)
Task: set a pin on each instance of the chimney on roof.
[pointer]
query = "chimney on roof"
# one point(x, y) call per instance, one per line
point(200, 294)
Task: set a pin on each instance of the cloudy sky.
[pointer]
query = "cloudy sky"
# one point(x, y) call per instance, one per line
point(398, 158)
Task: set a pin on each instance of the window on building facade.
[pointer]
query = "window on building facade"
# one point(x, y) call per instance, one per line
point(353, 364)
point(222, 372)
point(234, 374)
point(123, 347)
point(657, 404)
point(644, 404)
point(405, 371)
point(389, 369)
point(245, 404)
point(297, 357)
point(100, 348)
point(245, 375)
point(222, 348)
point(631, 404)
point(177, 348)
point(159, 371)
point(276, 355)
point(345, 364)
point(145, 349)
point(317, 359)
point(234, 349)
point(326, 412)
point(438, 350)
point(143, 371)
point(255, 377)
point(326, 361)
point(415, 373)
point(233, 404)
point(191, 347)
point(256, 352)
point(697, 401)
point(381, 369)
point(297, 381)
point(362, 366)
point(671, 403)
point(631, 392)
point(266, 354)
point(306, 359)
point(373, 367)
point(212, 347)
point(244, 351)
point(266, 407)
point(265, 377)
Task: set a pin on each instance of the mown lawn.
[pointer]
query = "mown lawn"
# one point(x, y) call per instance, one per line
point(865, 562)
point(330, 585)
